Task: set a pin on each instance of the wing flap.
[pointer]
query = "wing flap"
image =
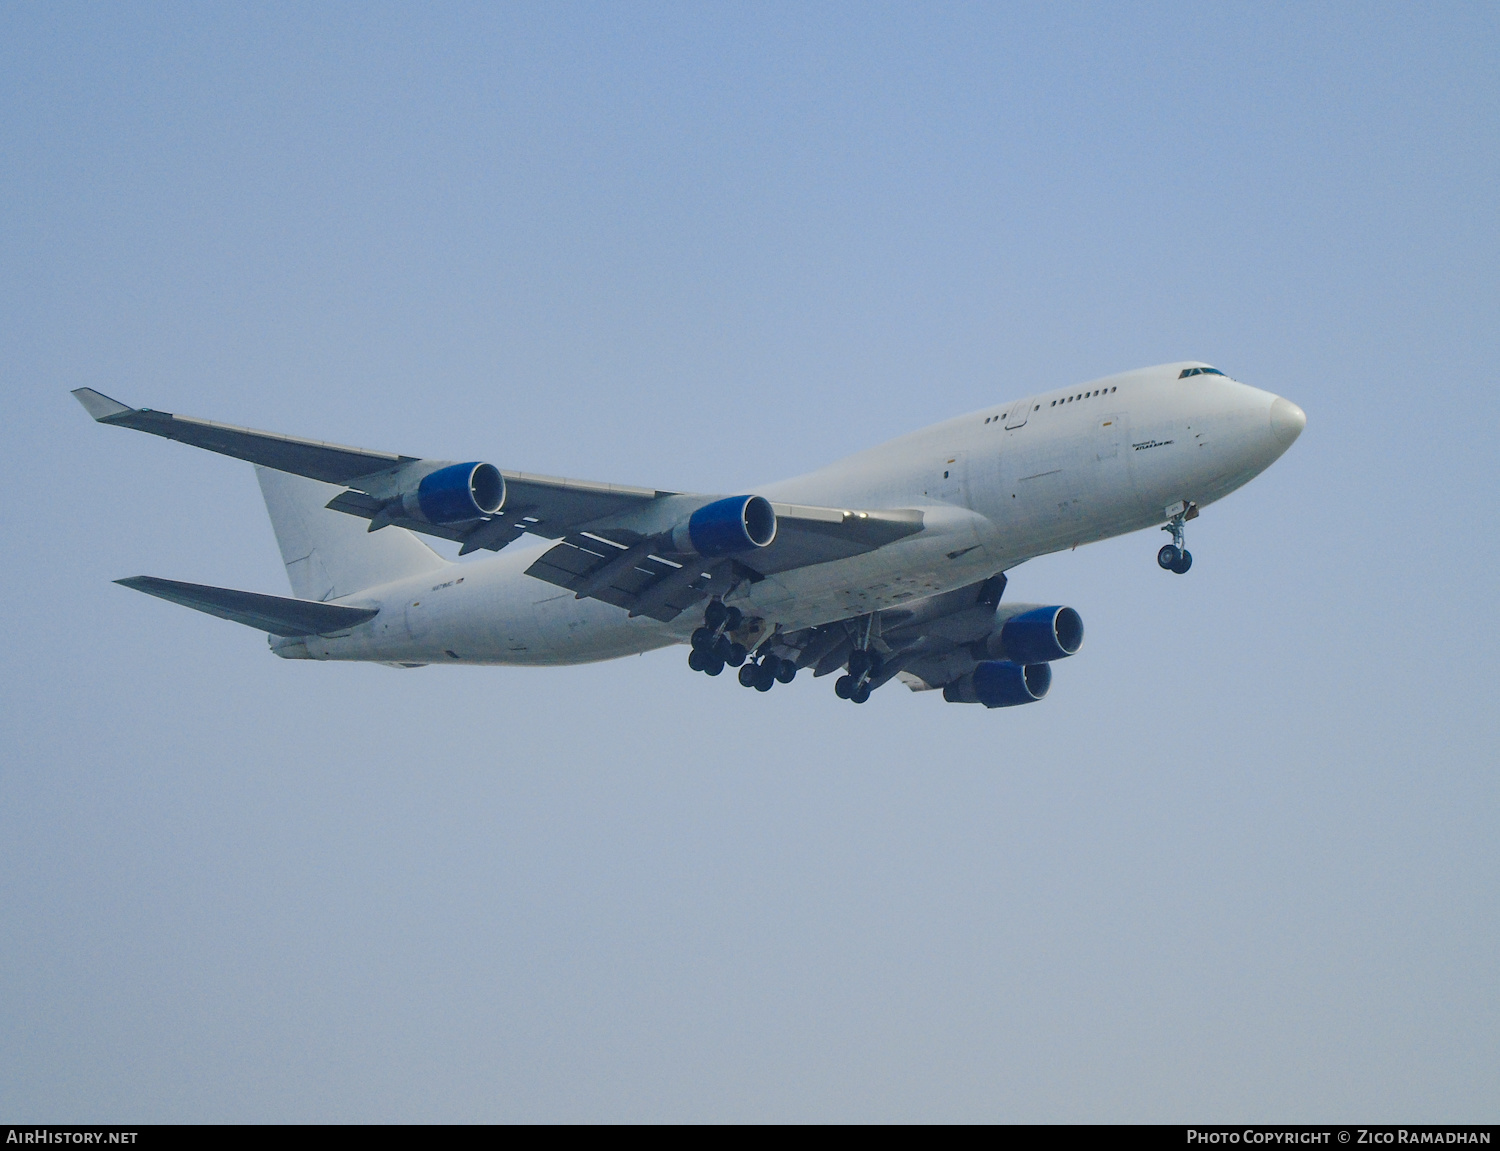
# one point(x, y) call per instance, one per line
point(627, 566)
point(645, 576)
point(275, 614)
point(629, 573)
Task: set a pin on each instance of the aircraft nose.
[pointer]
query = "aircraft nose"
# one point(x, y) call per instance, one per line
point(1287, 422)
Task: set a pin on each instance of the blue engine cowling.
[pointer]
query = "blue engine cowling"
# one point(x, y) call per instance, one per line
point(1038, 636)
point(736, 524)
point(457, 494)
point(1000, 683)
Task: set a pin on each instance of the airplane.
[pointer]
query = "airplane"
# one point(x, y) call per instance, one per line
point(888, 564)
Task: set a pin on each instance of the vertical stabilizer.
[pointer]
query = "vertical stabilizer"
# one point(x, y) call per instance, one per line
point(329, 554)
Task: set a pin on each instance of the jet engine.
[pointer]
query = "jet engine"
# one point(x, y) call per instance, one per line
point(1037, 635)
point(724, 527)
point(1000, 683)
point(459, 493)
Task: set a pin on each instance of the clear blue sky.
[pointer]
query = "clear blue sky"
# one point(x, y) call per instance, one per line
point(1241, 863)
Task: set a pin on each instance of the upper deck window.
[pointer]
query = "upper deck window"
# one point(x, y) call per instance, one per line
point(1186, 372)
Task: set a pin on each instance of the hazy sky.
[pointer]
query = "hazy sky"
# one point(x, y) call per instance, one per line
point(1240, 864)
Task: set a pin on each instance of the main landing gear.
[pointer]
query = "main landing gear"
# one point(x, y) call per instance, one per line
point(714, 650)
point(767, 672)
point(1174, 557)
point(864, 666)
point(712, 647)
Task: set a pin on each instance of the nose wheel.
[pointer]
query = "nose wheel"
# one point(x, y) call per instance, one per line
point(1174, 557)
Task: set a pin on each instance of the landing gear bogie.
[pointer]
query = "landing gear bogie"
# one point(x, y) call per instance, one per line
point(864, 668)
point(761, 676)
point(712, 647)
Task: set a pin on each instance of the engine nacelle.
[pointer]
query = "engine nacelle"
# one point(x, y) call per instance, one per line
point(459, 493)
point(1038, 635)
point(724, 527)
point(1000, 683)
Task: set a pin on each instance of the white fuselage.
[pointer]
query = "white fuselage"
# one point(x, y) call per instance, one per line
point(1089, 462)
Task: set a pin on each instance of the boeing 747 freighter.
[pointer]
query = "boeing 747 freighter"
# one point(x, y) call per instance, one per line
point(887, 564)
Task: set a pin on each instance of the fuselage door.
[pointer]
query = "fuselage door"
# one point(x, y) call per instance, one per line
point(1017, 415)
point(951, 483)
point(1109, 436)
point(418, 618)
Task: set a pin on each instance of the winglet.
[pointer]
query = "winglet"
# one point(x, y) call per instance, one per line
point(98, 405)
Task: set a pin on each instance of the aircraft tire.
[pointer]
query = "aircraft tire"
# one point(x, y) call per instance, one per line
point(786, 671)
point(861, 693)
point(843, 686)
point(715, 666)
point(1167, 558)
point(1184, 562)
point(748, 675)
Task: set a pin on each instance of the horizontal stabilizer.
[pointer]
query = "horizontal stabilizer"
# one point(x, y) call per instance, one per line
point(275, 614)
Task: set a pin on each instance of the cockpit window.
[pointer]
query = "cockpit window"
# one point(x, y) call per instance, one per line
point(1186, 372)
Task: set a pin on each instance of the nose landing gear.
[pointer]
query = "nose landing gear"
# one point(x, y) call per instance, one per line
point(1174, 557)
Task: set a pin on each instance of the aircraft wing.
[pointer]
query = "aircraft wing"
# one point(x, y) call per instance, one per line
point(926, 643)
point(545, 505)
point(643, 575)
point(601, 553)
